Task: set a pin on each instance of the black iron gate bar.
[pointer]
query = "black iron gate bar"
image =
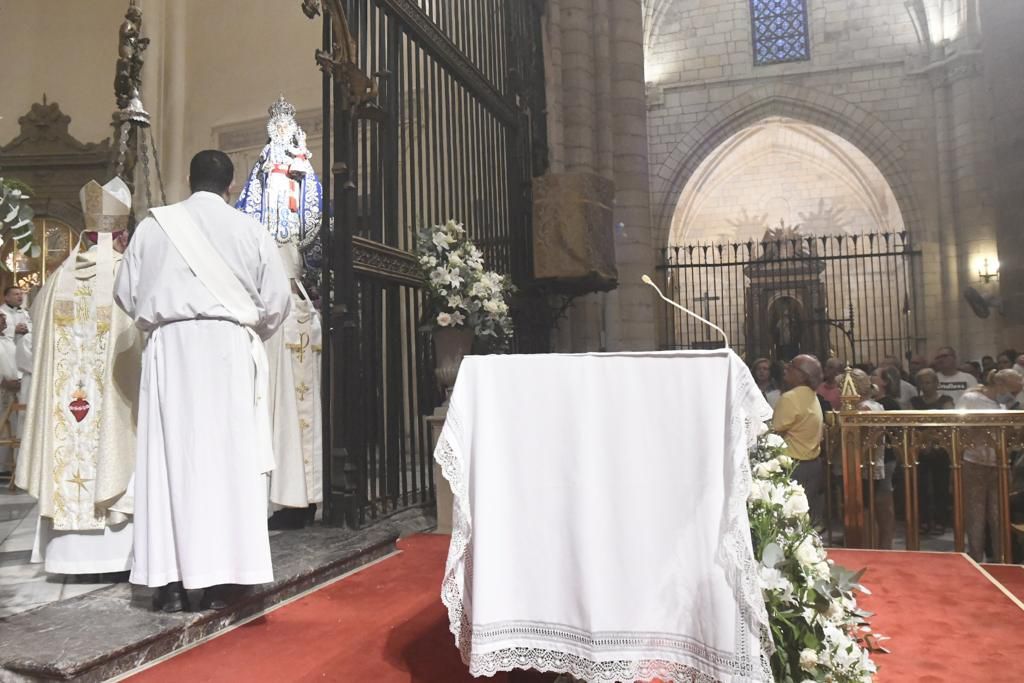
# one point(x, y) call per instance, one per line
point(448, 138)
point(868, 310)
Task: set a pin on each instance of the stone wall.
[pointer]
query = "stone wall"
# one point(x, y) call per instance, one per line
point(900, 81)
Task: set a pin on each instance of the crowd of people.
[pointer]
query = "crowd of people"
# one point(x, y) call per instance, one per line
point(803, 390)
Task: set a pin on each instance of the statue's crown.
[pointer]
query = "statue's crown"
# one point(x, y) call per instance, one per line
point(282, 108)
point(106, 207)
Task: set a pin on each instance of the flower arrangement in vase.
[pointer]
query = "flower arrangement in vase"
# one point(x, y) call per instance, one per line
point(466, 303)
point(460, 292)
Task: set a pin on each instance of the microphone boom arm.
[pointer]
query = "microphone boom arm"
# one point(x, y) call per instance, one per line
point(649, 281)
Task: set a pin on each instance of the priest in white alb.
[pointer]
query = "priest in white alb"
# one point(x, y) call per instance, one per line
point(77, 452)
point(205, 282)
point(296, 484)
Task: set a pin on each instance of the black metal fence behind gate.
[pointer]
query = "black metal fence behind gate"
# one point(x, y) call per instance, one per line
point(845, 295)
point(447, 136)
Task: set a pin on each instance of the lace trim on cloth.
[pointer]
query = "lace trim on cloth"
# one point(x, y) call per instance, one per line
point(746, 417)
point(460, 563)
point(747, 413)
point(507, 659)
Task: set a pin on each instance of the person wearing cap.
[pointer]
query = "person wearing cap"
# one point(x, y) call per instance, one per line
point(798, 419)
point(77, 452)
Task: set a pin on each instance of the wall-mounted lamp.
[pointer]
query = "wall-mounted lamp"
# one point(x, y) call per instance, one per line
point(987, 274)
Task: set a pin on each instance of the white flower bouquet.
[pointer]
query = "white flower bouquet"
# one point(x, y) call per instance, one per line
point(818, 631)
point(460, 292)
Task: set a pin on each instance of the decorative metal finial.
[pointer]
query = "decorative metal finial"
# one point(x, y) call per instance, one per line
point(849, 398)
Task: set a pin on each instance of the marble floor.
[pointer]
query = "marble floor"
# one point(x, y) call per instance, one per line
point(23, 585)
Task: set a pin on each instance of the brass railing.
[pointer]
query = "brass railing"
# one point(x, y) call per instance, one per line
point(855, 440)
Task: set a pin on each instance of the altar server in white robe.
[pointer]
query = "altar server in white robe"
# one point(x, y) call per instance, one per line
point(295, 408)
point(78, 448)
point(206, 283)
point(17, 324)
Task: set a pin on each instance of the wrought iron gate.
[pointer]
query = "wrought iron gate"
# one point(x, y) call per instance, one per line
point(448, 134)
point(847, 295)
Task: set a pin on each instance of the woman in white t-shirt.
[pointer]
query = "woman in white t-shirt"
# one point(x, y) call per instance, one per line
point(981, 467)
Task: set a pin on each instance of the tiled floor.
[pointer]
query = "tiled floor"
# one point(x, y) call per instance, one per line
point(25, 586)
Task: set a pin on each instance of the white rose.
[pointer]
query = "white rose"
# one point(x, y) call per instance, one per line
point(808, 659)
point(775, 441)
point(796, 505)
point(808, 553)
point(764, 470)
point(491, 306)
point(760, 490)
point(772, 579)
point(444, 319)
point(454, 260)
point(785, 460)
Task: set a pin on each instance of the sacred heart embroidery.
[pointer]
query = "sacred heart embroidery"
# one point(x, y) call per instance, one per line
point(79, 407)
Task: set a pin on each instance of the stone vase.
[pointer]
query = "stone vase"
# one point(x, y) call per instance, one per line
point(451, 344)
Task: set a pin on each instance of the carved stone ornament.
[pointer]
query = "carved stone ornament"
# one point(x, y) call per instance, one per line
point(44, 131)
point(573, 239)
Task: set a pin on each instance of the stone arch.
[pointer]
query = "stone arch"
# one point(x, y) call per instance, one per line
point(883, 147)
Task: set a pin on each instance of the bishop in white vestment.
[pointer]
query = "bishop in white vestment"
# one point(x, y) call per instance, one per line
point(206, 284)
point(78, 447)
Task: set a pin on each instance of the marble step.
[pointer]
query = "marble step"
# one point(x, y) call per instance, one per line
point(110, 631)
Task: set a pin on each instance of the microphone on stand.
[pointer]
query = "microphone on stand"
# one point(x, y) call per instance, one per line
point(647, 280)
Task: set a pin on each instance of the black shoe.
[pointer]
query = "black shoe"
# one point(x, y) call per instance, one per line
point(171, 598)
point(287, 519)
point(217, 597)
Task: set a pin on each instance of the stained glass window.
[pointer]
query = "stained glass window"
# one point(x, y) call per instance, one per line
point(780, 31)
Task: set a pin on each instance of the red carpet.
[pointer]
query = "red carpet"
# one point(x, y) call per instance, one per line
point(1010, 575)
point(386, 624)
point(947, 621)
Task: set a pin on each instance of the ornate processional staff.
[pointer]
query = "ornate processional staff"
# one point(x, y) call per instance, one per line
point(131, 120)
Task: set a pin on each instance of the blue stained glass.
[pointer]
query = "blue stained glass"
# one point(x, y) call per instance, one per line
point(779, 31)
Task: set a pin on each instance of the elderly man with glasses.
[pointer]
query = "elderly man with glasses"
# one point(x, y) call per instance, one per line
point(798, 419)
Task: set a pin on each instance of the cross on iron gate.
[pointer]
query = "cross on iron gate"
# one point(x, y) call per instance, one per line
point(706, 302)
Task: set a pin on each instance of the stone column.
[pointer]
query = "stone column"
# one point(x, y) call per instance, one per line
point(599, 175)
point(634, 250)
point(164, 95)
point(1004, 84)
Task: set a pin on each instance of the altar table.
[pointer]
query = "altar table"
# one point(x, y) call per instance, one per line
point(599, 522)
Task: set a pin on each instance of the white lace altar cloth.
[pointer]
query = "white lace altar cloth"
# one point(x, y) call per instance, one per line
point(599, 524)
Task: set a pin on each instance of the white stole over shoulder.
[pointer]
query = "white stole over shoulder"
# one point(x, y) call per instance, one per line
point(208, 266)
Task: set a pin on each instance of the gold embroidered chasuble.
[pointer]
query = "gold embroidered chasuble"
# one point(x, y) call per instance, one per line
point(78, 447)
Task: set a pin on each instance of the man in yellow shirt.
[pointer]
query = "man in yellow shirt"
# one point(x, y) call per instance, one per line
point(798, 420)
